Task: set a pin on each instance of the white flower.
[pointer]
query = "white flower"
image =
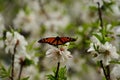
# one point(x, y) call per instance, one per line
point(95, 44)
point(58, 54)
point(115, 73)
point(16, 44)
point(15, 39)
point(92, 49)
point(107, 52)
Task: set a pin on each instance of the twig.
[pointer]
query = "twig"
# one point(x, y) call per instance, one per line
point(100, 14)
point(104, 71)
point(101, 21)
point(21, 69)
point(12, 72)
point(57, 71)
point(108, 72)
point(13, 59)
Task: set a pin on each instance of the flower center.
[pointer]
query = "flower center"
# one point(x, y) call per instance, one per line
point(107, 52)
point(62, 49)
point(57, 53)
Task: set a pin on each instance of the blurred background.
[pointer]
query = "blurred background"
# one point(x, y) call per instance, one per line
point(36, 19)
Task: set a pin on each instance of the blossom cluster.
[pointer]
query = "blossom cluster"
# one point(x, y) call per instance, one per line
point(105, 52)
point(23, 23)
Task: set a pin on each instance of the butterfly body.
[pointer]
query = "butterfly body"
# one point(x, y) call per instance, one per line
point(56, 40)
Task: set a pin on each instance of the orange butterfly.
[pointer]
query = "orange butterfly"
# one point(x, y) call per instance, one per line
point(56, 40)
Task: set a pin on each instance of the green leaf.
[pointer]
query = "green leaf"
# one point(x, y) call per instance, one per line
point(26, 78)
point(98, 37)
point(27, 10)
point(72, 45)
point(30, 46)
point(4, 73)
point(115, 62)
point(93, 8)
point(107, 6)
point(50, 77)
point(107, 39)
point(28, 62)
point(62, 73)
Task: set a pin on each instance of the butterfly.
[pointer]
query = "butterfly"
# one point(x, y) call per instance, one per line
point(56, 40)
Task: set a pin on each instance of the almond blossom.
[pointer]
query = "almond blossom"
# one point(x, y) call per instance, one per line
point(60, 54)
point(15, 39)
point(115, 73)
point(105, 52)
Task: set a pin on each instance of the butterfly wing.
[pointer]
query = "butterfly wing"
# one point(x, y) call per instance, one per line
point(66, 39)
point(56, 40)
point(49, 40)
